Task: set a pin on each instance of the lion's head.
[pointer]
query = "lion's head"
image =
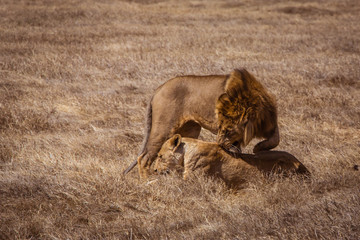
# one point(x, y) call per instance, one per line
point(246, 111)
point(170, 158)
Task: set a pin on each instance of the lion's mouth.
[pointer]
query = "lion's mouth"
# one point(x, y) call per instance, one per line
point(235, 149)
point(236, 143)
point(231, 148)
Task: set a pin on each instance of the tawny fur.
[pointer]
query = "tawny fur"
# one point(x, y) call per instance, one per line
point(235, 107)
point(246, 103)
point(188, 156)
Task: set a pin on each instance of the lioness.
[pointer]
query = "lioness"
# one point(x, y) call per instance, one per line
point(236, 107)
point(187, 155)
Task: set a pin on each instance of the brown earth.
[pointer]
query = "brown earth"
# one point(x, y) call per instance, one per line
point(75, 79)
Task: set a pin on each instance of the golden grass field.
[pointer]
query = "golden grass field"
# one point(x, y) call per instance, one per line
point(75, 79)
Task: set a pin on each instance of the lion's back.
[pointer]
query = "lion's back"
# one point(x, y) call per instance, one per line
point(191, 85)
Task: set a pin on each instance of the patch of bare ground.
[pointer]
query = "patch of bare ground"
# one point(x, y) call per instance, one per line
point(75, 79)
point(306, 11)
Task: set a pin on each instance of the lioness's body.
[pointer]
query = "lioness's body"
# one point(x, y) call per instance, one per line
point(227, 105)
point(187, 155)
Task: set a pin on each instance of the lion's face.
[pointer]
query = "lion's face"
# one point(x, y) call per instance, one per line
point(170, 157)
point(236, 127)
point(231, 135)
point(246, 111)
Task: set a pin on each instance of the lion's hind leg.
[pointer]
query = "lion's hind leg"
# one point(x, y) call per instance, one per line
point(143, 167)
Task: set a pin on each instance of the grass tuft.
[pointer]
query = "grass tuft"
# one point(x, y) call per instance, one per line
point(75, 80)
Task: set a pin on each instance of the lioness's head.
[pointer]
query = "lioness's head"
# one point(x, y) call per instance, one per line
point(170, 157)
point(246, 111)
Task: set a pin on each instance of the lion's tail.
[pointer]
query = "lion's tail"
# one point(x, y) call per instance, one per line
point(148, 118)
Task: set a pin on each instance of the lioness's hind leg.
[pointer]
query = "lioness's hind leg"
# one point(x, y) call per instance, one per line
point(190, 129)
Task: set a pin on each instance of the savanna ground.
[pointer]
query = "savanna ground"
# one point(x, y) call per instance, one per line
point(75, 79)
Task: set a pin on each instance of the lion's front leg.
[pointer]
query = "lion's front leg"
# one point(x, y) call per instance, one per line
point(268, 143)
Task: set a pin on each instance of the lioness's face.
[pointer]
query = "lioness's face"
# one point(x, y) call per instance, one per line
point(169, 159)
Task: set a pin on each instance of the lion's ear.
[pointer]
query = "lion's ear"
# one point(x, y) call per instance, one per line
point(248, 132)
point(175, 141)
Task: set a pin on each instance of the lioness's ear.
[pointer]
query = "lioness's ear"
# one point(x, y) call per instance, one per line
point(248, 132)
point(175, 141)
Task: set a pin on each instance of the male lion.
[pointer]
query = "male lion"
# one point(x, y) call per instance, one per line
point(188, 155)
point(236, 107)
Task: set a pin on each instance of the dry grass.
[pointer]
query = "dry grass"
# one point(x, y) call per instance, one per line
point(75, 78)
